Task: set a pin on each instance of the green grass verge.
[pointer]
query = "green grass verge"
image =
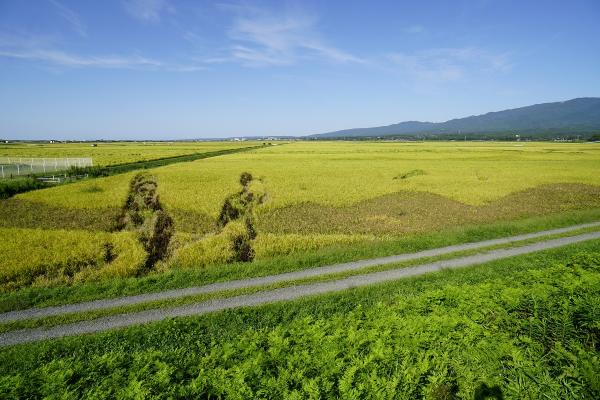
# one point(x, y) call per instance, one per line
point(526, 327)
point(41, 297)
point(89, 315)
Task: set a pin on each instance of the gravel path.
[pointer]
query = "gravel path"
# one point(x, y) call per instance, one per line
point(287, 293)
point(270, 279)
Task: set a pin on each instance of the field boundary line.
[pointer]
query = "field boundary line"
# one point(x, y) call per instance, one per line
point(101, 304)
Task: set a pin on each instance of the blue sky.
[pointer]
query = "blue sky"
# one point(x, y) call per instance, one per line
point(160, 69)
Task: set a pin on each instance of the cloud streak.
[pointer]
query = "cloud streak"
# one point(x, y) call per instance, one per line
point(71, 17)
point(42, 50)
point(71, 60)
point(261, 38)
point(442, 65)
point(147, 10)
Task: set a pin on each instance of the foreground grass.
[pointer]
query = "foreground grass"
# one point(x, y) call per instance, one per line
point(526, 327)
point(41, 296)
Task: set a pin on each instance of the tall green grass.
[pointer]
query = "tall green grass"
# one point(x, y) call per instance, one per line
point(9, 188)
point(526, 327)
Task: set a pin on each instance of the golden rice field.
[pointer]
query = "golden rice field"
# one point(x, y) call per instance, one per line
point(345, 173)
point(114, 153)
point(320, 194)
point(50, 257)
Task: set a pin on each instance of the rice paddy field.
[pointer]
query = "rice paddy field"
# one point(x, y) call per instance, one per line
point(319, 195)
point(107, 153)
point(523, 327)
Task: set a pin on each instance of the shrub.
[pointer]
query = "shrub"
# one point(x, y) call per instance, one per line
point(586, 261)
point(9, 188)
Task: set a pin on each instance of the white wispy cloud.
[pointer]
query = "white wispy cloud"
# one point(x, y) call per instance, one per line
point(45, 51)
point(449, 64)
point(263, 38)
point(414, 29)
point(72, 60)
point(71, 17)
point(147, 10)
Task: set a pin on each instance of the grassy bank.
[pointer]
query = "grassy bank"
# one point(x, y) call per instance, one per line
point(526, 327)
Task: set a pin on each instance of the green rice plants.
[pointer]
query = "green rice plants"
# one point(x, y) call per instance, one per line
point(234, 242)
point(124, 256)
point(92, 189)
point(230, 244)
point(269, 244)
point(343, 174)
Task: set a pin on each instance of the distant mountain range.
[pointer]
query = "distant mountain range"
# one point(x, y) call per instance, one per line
point(577, 116)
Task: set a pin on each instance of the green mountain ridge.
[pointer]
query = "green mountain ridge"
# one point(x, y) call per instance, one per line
point(576, 116)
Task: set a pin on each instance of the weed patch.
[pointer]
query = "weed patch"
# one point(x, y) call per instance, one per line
point(410, 174)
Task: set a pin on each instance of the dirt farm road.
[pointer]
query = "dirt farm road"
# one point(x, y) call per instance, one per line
point(281, 294)
point(271, 279)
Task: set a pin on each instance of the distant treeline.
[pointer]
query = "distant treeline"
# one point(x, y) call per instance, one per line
point(497, 136)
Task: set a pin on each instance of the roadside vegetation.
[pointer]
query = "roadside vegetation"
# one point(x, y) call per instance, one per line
point(525, 327)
